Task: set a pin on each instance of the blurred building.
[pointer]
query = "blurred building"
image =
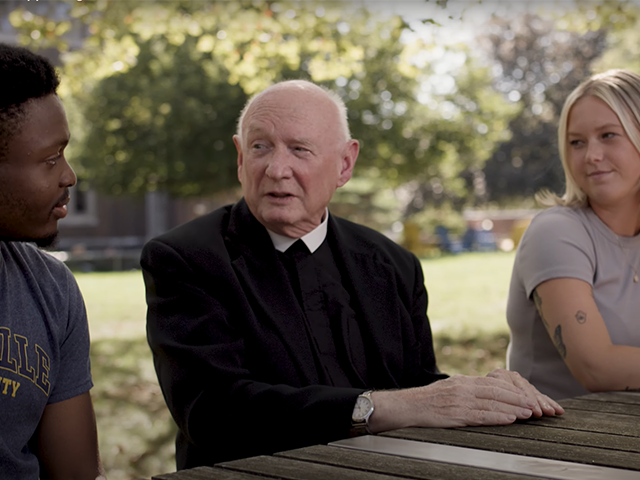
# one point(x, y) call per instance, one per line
point(505, 226)
point(100, 231)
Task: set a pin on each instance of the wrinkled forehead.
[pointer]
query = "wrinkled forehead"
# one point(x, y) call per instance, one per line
point(294, 110)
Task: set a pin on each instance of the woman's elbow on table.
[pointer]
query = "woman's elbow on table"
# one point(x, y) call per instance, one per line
point(599, 372)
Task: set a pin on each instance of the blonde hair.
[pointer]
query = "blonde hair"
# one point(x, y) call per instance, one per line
point(620, 90)
point(330, 94)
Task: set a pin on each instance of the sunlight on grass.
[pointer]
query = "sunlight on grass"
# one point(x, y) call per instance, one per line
point(135, 429)
point(468, 293)
point(115, 303)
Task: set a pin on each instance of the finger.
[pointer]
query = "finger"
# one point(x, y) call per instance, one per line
point(504, 383)
point(467, 401)
point(540, 403)
point(545, 405)
point(487, 412)
point(497, 393)
point(484, 417)
point(496, 389)
point(549, 406)
point(474, 412)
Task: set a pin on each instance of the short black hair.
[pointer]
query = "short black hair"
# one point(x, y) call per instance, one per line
point(24, 76)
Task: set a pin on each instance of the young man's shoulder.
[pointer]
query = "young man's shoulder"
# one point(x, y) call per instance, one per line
point(33, 262)
point(29, 253)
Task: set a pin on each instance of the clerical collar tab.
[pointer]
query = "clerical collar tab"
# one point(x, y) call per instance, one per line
point(312, 240)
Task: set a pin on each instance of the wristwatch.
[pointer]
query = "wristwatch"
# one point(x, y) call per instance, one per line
point(361, 413)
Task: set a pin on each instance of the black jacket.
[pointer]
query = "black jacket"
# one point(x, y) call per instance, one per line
point(230, 346)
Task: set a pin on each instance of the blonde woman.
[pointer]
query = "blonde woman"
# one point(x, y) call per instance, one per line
point(574, 301)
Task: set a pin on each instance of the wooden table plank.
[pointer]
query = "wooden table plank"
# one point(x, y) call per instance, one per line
point(598, 422)
point(560, 435)
point(206, 473)
point(599, 406)
point(477, 458)
point(520, 446)
point(389, 464)
point(597, 429)
point(291, 469)
point(630, 398)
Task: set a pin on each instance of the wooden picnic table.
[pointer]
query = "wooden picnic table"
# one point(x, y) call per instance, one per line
point(597, 438)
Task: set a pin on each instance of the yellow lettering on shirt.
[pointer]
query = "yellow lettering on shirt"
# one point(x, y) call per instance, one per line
point(42, 380)
point(16, 360)
point(16, 386)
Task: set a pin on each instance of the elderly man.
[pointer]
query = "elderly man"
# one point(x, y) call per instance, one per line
point(48, 429)
point(271, 321)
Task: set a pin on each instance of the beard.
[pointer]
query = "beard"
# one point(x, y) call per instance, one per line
point(44, 242)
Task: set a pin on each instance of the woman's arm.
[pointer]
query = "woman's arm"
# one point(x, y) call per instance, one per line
point(576, 327)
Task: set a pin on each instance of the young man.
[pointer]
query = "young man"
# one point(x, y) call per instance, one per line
point(48, 425)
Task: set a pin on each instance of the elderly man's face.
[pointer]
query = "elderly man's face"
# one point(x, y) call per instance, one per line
point(292, 157)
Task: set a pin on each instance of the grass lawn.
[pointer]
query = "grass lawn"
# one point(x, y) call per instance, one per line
point(135, 428)
point(467, 305)
point(467, 300)
point(468, 292)
point(115, 304)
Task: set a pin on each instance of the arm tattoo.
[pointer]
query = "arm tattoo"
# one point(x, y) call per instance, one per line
point(581, 317)
point(557, 339)
point(538, 301)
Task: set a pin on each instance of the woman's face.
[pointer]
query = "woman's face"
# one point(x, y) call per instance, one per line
point(602, 159)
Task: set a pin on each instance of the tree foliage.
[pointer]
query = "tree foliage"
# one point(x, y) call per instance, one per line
point(155, 89)
point(621, 20)
point(537, 66)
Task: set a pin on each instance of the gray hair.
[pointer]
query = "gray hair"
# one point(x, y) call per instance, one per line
point(330, 94)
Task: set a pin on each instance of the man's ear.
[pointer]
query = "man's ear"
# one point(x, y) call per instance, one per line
point(238, 143)
point(348, 161)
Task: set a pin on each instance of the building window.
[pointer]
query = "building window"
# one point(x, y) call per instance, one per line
point(82, 206)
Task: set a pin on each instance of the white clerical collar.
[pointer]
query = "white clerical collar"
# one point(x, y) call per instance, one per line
point(312, 240)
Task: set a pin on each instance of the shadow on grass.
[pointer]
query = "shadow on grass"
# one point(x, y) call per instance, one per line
point(472, 353)
point(135, 428)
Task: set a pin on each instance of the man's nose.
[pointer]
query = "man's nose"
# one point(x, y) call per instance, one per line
point(68, 176)
point(279, 165)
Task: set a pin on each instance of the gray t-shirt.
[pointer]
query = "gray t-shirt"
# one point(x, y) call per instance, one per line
point(570, 243)
point(44, 349)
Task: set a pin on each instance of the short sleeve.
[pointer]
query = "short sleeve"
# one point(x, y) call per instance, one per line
point(557, 244)
point(74, 370)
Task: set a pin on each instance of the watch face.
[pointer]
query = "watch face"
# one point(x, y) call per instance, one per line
point(362, 408)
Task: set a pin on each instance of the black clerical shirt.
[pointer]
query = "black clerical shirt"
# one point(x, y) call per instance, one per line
point(319, 284)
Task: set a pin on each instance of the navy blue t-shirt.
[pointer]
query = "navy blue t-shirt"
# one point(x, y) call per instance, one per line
point(44, 348)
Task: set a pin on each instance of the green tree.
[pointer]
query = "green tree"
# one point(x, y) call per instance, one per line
point(621, 20)
point(538, 66)
point(155, 90)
